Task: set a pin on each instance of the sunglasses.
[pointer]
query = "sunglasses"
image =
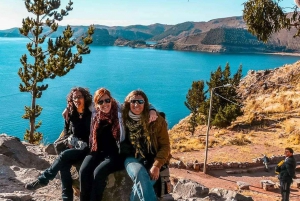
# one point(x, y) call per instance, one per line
point(100, 102)
point(140, 102)
point(77, 97)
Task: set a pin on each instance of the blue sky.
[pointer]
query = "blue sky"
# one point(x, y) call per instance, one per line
point(129, 12)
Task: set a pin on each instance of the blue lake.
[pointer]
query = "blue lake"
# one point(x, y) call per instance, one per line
point(164, 75)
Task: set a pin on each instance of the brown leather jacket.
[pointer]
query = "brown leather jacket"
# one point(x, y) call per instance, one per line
point(160, 141)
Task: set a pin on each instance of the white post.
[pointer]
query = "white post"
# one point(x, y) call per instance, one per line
point(208, 125)
point(207, 132)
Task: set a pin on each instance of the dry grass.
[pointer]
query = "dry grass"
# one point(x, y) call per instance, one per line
point(181, 139)
point(294, 139)
point(238, 139)
point(220, 133)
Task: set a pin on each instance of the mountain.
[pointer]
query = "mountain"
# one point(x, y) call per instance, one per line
point(13, 32)
point(217, 35)
point(223, 35)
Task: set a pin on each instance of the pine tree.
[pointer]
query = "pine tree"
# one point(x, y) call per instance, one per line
point(57, 60)
point(265, 17)
point(224, 109)
point(194, 99)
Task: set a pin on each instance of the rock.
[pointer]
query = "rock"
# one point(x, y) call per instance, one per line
point(167, 197)
point(181, 165)
point(242, 185)
point(197, 167)
point(227, 195)
point(13, 148)
point(190, 166)
point(49, 149)
point(15, 196)
point(189, 189)
point(118, 187)
point(267, 185)
point(7, 161)
point(230, 172)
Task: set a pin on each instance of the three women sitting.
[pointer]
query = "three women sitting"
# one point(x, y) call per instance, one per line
point(145, 148)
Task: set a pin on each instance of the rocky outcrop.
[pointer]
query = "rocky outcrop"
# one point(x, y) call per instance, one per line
point(101, 37)
point(22, 162)
point(13, 152)
point(133, 44)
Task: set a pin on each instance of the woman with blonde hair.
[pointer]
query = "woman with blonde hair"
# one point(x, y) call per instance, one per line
point(146, 146)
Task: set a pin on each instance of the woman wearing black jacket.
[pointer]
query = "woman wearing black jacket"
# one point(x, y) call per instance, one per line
point(77, 126)
point(107, 132)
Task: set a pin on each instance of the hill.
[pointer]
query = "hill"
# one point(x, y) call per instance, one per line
point(217, 35)
point(271, 101)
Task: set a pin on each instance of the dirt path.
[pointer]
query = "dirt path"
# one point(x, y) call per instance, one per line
point(220, 179)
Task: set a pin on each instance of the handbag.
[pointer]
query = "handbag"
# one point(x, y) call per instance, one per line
point(76, 143)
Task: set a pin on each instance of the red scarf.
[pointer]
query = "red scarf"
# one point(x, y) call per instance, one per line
point(112, 118)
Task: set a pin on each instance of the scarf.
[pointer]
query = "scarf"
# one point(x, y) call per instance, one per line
point(112, 118)
point(138, 136)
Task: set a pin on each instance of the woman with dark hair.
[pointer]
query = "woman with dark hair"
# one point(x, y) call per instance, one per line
point(77, 127)
point(146, 146)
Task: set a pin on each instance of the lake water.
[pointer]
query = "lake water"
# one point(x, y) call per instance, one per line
point(164, 75)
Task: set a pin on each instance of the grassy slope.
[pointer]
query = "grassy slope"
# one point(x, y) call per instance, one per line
point(270, 122)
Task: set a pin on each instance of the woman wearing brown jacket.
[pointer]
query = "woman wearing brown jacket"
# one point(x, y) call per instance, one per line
point(146, 145)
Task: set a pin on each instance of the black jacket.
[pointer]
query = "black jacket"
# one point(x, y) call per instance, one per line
point(287, 170)
point(106, 143)
point(79, 127)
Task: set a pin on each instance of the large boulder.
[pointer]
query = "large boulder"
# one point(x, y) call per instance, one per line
point(227, 195)
point(118, 187)
point(189, 189)
point(13, 148)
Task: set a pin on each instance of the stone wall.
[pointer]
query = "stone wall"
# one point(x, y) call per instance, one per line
point(196, 166)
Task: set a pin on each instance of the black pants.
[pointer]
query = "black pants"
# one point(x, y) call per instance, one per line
point(285, 189)
point(93, 174)
point(63, 164)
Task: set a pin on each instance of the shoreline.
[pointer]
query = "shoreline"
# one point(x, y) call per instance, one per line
point(285, 54)
point(218, 52)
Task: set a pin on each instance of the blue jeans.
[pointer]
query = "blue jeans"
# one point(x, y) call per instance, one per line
point(63, 164)
point(142, 184)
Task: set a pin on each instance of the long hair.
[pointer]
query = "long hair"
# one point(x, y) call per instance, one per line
point(86, 95)
point(111, 117)
point(144, 114)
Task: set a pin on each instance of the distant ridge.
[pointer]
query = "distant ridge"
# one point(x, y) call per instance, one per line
point(217, 35)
